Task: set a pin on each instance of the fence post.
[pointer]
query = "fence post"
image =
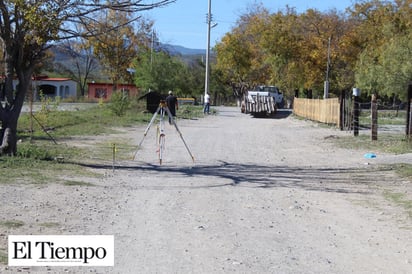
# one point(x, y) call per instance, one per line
point(409, 113)
point(356, 93)
point(342, 103)
point(410, 121)
point(374, 110)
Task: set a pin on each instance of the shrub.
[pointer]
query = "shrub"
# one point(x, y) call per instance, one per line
point(119, 103)
point(34, 152)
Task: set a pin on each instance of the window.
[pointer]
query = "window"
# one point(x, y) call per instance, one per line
point(100, 93)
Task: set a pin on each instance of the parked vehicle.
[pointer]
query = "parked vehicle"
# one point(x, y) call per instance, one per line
point(262, 101)
point(274, 92)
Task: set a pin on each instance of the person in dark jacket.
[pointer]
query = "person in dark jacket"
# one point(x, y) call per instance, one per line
point(172, 105)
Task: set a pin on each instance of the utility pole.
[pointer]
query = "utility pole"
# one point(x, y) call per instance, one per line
point(208, 21)
point(151, 49)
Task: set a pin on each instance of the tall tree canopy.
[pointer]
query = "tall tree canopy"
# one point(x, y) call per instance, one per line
point(158, 70)
point(384, 65)
point(368, 46)
point(116, 41)
point(27, 29)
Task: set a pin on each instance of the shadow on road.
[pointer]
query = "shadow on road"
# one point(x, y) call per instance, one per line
point(283, 113)
point(338, 180)
point(280, 114)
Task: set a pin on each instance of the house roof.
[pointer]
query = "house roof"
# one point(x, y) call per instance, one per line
point(150, 93)
point(110, 84)
point(55, 79)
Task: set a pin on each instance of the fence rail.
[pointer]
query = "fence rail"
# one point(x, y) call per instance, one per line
point(321, 110)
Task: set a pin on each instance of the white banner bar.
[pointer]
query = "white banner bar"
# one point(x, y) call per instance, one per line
point(61, 250)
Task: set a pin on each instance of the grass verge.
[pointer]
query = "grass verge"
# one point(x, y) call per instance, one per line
point(3, 256)
point(33, 168)
point(399, 199)
point(404, 170)
point(41, 161)
point(389, 143)
point(12, 224)
point(385, 117)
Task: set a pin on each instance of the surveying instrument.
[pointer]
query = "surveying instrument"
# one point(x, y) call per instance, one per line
point(160, 136)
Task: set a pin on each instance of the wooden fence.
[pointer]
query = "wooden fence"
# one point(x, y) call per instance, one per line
point(321, 110)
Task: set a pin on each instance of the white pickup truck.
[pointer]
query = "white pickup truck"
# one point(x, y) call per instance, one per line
point(263, 101)
point(269, 91)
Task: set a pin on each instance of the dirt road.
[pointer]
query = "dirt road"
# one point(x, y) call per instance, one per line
point(263, 196)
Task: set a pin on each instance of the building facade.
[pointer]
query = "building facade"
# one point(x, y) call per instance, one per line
point(104, 91)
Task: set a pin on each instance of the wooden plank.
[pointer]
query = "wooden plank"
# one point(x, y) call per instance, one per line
point(321, 110)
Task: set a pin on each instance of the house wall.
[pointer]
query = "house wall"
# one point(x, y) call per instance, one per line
point(105, 90)
point(62, 87)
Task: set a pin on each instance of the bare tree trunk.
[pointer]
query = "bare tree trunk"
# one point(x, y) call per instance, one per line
point(10, 112)
point(9, 143)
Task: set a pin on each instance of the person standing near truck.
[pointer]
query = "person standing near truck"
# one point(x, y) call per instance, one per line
point(207, 104)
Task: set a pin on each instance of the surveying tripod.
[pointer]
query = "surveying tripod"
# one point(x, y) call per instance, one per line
point(161, 110)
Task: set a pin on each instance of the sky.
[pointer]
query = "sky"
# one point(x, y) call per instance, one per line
point(183, 23)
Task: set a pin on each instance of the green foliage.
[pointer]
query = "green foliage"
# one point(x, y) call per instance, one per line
point(162, 72)
point(119, 103)
point(94, 120)
point(28, 28)
point(383, 69)
point(384, 37)
point(388, 143)
point(404, 170)
point(40, 163)
point(77, 183)
point(3, 256)
point(400, 199)
point(12, 224)
point(48, 106)
point(27, 150)
point(155, 71)
point(190, 112)
point(285, 49)
point(367, 47)
point(396, 73)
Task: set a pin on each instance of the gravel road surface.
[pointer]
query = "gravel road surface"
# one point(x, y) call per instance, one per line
point(263, 196)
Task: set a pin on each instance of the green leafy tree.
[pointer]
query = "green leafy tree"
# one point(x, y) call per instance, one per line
point(234, 62)
point(156, 71)
point(282, 43)
point(381, 67)
point(27, 29)
point(396, 74)
point(116, 43)
point(159, 71)
point(284, 49)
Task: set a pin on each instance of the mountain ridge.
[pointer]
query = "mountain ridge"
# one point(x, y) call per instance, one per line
point(177, 49)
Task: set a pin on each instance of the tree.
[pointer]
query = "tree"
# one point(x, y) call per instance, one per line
point(234, 61)
point(386, 28)
point(81, 63)
point(158, 70)
point(116, 43)
point(284, 49)
point(283, 43)
point(396, 73)
point(27, 29)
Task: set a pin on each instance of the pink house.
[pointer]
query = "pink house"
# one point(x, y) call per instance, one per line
point(105, 90)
